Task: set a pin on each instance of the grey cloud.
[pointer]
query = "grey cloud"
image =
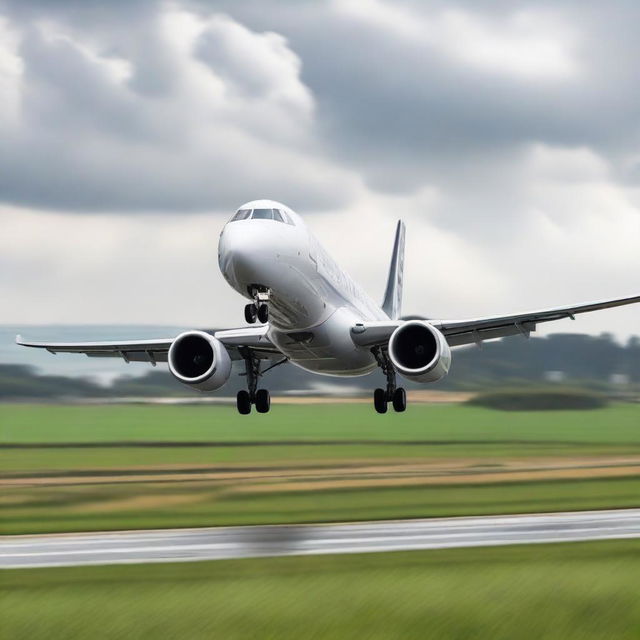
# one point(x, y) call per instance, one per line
point(398, 114)
point(86, 143)
point(405, 116)
point(389, 104)
point(515, 190)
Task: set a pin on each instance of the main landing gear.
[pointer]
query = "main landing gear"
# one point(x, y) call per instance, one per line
point(258, 310)
point(396, 395)
point(254, 396)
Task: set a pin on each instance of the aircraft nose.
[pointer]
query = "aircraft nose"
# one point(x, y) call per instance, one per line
point(229, 243)
point(241, 257)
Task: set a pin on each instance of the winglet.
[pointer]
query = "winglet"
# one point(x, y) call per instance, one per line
point(392, 303)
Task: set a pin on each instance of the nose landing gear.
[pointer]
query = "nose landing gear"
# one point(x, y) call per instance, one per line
point(259, 309)
point(396, 395)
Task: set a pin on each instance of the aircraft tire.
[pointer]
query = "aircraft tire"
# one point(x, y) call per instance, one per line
point(243, 402)
point(380, 400)
point(263, 401)
point(250, 313)
point(263, 313)
point(400, 400)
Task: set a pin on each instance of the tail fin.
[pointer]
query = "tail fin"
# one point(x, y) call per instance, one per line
point(393, 295)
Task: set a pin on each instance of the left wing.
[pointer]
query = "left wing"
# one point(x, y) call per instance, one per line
point(475, 330)
point(254, 338)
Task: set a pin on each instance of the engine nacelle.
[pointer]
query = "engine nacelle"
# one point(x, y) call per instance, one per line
point(419, 351)
point(199, 360)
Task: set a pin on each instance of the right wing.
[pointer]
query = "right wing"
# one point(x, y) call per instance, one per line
point(253, 338)
point(460, 332)
point(475, 330)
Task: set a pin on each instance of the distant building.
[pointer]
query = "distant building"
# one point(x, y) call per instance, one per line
point(619, 379)
point(555, 376)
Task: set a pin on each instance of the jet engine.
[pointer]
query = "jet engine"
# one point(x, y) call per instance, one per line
point(199, 360)
point(419, 351)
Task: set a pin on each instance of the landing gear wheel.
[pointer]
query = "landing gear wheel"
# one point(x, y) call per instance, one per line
point(263, 401)
point(243, 402)
point(250, 313)
point(263, 313)
point(380, 400)
point(400, 400)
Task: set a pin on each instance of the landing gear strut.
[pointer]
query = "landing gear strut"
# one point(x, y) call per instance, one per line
point(254, 396)
point(396, 395)
point(259, 309)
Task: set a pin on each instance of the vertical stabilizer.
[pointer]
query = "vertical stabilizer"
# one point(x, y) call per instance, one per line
point(393, 295)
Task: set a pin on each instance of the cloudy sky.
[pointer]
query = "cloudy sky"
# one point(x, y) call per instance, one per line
point(505, 134)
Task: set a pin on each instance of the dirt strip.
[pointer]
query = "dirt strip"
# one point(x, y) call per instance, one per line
point(530, 475)
point(360, 474)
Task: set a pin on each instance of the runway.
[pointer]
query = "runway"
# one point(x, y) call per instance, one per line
point(217, 543)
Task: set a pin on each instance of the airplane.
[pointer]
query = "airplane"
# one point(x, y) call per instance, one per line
point(312, 314)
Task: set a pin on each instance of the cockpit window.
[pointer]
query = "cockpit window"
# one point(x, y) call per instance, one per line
point(286, 218)
point(242, 214)
point(262, 214)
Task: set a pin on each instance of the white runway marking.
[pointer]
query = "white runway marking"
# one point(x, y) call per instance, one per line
point(217, 543)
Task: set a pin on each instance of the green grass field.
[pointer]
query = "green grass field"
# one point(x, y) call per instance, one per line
point(433, 424)
point(326, 439)
point(311, 432)
point(582, 591)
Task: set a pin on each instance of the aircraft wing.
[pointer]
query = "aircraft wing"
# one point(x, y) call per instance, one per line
point(253, 338)
point(475, 330)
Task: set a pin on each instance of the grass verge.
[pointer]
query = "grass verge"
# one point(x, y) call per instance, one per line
point(585, 591)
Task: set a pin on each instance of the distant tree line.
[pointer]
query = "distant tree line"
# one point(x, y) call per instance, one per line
point(597, 362)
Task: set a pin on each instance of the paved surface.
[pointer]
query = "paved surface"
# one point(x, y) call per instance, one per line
point(175, 545)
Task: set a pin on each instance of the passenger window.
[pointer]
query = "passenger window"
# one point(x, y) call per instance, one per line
point(262, 214)
point(242, 214)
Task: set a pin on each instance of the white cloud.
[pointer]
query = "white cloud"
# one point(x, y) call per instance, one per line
point(11, 71)
point(588, 219)
point(445, 272)
point(117, 70)
point(163, 269)
point(59, 268)
point(523, 45)
point(577, 239)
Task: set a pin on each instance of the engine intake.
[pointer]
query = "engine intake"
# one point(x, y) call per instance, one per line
point(419, 351)
point(199, 360)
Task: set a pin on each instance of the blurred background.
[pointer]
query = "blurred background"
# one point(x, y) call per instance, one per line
point(504, 134)
point(594, 362)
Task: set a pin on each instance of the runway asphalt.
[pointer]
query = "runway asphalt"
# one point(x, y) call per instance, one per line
point(216, 543)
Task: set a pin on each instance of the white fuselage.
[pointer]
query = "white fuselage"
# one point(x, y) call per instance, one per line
point(313, 303)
